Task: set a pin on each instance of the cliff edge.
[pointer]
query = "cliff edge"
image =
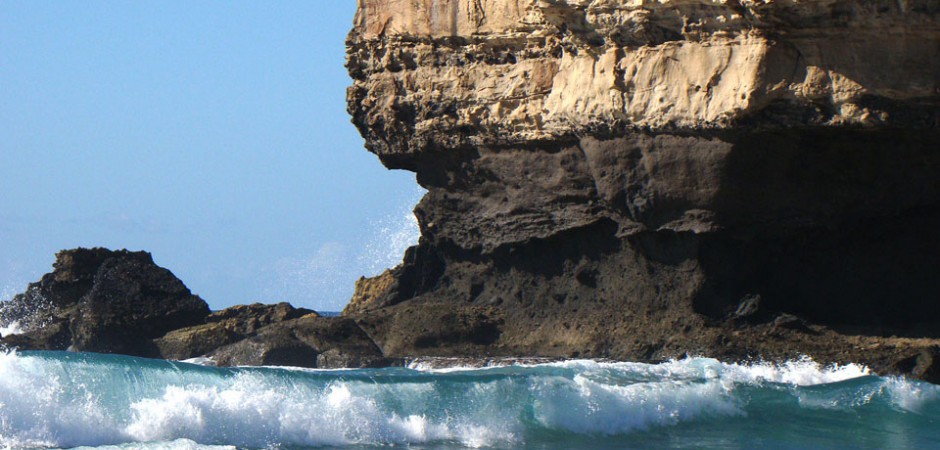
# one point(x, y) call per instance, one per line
point(641, 179)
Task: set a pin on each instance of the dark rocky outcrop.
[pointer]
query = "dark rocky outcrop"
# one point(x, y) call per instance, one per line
point(108, 301)
point(275, 335)
point(102, 301)
point(309, 341)
point(225, 327)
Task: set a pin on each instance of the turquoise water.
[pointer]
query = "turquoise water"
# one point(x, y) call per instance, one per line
point(64, 400)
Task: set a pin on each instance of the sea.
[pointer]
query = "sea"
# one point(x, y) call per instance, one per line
point(93, 401)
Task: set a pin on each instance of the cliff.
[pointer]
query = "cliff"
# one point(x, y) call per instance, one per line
point(643, 179)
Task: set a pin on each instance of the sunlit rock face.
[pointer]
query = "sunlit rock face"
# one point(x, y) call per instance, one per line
point(639, 179)
point(441, 74)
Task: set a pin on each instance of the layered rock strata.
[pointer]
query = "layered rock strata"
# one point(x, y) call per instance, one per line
point(643, 179)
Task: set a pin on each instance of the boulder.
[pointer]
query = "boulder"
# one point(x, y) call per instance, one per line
point(225, 327)
point(310, 341)
point(103, 301)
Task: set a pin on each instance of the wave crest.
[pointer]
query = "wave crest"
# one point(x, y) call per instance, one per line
point(54, 399)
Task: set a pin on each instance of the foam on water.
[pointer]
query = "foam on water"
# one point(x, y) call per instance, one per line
point(7, 327)
point(178, 444)
point(53, 399)
point(11, 328)
point(911, 396)
point(586, 406)
point(255, 413)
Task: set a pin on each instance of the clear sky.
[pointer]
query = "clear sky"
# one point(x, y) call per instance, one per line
point(212, 134)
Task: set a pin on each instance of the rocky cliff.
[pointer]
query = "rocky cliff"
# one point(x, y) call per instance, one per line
point(642, 179)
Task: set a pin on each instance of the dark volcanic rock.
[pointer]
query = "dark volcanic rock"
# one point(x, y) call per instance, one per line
point(131, 302)
point(225, 327)
point(256, 315)
point(120, 302)
point(310, 341)
point(103, 301)
point(925, 365)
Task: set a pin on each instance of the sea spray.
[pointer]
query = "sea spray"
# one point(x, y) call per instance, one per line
point(392, 235)
point(331, 271)
point(58, 399)
point(19, 314)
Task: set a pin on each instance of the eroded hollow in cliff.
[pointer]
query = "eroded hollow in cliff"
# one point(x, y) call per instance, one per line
point(837, 226)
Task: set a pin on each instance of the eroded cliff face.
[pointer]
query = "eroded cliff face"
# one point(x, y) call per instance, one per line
point(640, 179)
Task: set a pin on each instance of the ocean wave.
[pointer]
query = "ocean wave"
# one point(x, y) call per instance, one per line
point(257, 413)
point(56, 399)
point(178, 444)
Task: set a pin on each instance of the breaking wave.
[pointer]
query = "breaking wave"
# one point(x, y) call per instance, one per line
point(57, 399)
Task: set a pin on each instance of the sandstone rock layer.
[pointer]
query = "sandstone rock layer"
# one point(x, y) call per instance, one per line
point(644, 179)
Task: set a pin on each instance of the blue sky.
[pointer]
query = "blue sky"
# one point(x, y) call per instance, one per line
point(212, 134)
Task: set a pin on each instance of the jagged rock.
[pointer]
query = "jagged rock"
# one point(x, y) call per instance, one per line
point(611, 177)
point(131, 302)
point(256, 315)
point(195, 341)
point(225, 327)
point(310, 341)
point(103, 301)
point(924, 364)
point(748, 308)
point(121, 302)
point(276, 347)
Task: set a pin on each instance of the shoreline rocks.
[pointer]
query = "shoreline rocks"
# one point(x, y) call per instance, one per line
point(99, 300)
point(102, 301)
point(447, 334)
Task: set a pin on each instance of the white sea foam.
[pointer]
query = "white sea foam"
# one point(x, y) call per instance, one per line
point(588, 396)
point(178, 444)
point(11, 329)
point(255, 413)
point(66, 400)
point(911, 395)
point(586, 406)
point(800, 372)
point(37, 409)
point(50, 403)
point(201, 361)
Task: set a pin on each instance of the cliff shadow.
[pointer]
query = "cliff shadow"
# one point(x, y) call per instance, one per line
point(839, 227)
